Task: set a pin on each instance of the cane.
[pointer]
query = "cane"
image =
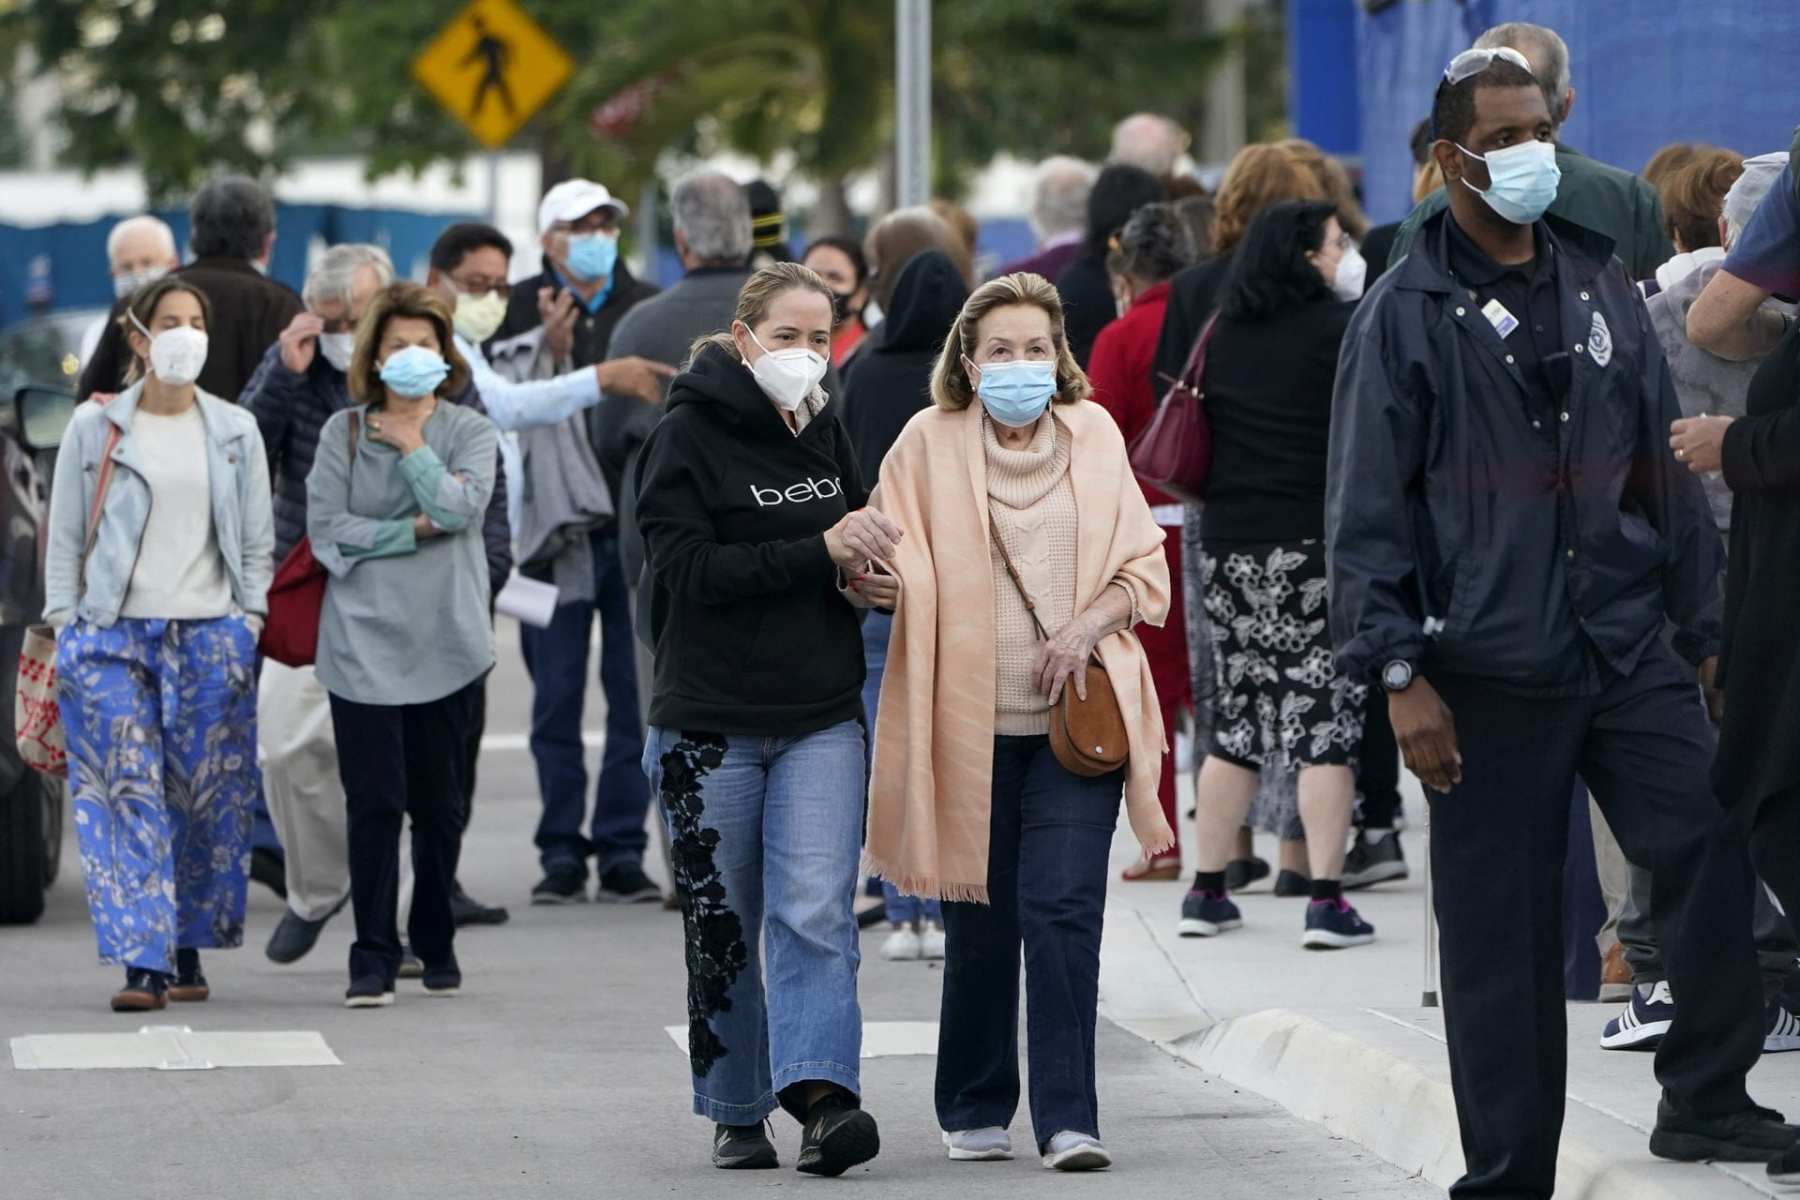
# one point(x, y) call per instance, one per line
point(1430, 988)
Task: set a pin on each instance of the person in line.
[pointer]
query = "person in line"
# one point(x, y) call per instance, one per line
point(1085, 288)
point(1592, 194)
point(1015, 468)
point(1666, 162)
point(1335, 182)
point(231, 223)
point(840, 263)
point(885, 386)
point(158, 588)
point(231, 220)
point(301, 383)
point(1278, 696)
point(1059, 196)
point(1731, 317)
point(963, 224)
point(559, 321)
point(1150, 142)
point(394, 507)
point(1706, 385)
point(768, 226)
point(1259, 176)
point(1498, 698)
point(893, 240)
point(752, 509)
point(1692, 197)
point(1151, 249)
point(139, 250)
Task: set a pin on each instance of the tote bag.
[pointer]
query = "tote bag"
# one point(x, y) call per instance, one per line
point(297, 596)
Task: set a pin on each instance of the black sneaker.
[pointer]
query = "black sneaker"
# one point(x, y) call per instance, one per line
point(189, 985)
point(295, 936)
point(1374, 862)
point(561, 885)
point(1784, 1168)
point(838, 1135)
point(443, 981)
point(144, 991)
point(1208, 914)
point(1240, 873)
point(1334, 925)
point(627, 884)
point(1747, 1136)
point(743, 1148)
point(1292, 883)
point(369, 991)
point(269, 869)
point(466, 910)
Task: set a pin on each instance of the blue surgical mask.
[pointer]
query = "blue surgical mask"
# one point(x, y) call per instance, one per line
point(593, 255)
point(1017, 393)
point(414, 371)
point(1522, 180)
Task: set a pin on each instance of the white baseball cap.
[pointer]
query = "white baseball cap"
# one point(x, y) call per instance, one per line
point(573, 199)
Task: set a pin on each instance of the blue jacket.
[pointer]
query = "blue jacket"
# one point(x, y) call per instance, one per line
point(1438, 487)
point(237, 470)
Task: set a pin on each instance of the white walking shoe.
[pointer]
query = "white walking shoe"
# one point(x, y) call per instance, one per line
point(1070, 1151)
point(992, 1144)
point(902, 945)
point(931, 943)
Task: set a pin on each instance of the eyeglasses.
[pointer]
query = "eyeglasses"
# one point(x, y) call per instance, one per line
point(476, 291)
point(1474, 62)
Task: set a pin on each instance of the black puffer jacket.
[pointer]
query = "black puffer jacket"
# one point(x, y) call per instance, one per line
point(1450, 521)
point(290, 409)
point(888, 379)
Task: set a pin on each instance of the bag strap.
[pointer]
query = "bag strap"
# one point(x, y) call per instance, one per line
point(1196, 362)
point(100, 486)
point(1030, 606)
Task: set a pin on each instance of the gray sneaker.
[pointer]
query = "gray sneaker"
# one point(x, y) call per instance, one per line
point(1374, 862)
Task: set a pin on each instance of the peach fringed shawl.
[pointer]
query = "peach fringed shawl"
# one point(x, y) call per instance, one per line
point(934, 734)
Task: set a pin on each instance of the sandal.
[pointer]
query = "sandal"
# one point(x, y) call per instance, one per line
point(1160, 869)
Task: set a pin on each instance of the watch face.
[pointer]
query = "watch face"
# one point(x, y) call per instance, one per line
point(1396, 676)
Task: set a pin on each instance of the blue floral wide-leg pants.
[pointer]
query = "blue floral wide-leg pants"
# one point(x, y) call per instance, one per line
point(160, 719)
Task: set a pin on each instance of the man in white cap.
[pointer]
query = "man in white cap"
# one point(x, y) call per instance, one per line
point(568, 534)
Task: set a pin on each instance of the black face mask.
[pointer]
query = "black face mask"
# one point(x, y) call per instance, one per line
point(840, 307)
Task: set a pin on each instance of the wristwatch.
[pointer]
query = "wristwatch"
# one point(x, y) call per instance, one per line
point(1397, 676)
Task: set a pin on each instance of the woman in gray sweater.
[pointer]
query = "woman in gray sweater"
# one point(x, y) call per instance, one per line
point(394, 507)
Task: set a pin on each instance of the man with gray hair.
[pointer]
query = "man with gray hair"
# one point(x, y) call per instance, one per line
point(1058, 216)
point(1619, 204)
point(1150, 141)
point(232, 233)
point(139, 250)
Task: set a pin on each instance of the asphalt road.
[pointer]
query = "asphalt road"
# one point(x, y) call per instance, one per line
point(551, 1075)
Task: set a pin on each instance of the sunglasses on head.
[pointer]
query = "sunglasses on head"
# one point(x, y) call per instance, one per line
point(1474, 62)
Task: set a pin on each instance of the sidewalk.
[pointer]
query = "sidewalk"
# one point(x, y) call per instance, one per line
point(1342, 1038)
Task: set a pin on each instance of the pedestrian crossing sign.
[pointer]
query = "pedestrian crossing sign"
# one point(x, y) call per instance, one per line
point(491, 68)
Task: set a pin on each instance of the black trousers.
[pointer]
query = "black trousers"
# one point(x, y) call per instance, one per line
point(1378, 769)
point(400, 761)
point(1498, 841)
point(475, 730)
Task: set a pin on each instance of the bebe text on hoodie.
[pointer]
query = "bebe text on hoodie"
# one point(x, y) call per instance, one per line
point(799, 493)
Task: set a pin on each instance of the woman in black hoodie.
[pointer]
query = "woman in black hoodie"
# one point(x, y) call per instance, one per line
point(751, 506)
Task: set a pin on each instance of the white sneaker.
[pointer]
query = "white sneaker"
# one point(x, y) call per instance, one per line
point(1071, 1151)
point(902, 945)
point(992, 1144)
point(931, 942)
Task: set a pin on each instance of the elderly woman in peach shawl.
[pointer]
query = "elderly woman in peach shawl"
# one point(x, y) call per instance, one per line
point(967, 801)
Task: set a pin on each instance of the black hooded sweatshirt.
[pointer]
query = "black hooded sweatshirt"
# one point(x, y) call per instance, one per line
point(888, 379)
point(750, 632)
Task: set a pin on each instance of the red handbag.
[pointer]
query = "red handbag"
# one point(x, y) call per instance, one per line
point(1174, 454)
point(297, 596)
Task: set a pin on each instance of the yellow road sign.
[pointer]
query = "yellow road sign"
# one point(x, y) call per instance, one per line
point(491, 68)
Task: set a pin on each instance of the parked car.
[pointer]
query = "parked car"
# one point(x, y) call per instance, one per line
point(39, 362)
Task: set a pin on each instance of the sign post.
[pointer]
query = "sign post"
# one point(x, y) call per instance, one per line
point(492, 67)
point(912, 101)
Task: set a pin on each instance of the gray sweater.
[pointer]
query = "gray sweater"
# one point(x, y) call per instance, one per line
point(405, 621)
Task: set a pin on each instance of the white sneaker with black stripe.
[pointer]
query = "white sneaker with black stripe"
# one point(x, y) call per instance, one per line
point(1783, 1032)
point(1644, 1021)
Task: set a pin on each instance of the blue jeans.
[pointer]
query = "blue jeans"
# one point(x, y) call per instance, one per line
point(877, 628)
point(765, 836)
point(557, 659)
point(1049, 836)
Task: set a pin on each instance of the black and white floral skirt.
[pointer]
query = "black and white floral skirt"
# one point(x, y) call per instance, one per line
point(1279, 698)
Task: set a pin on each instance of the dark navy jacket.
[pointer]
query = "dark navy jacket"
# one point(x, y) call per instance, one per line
point(1440, 493)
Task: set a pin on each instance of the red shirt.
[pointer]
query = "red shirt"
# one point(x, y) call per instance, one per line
point(1119, 369)
point(845, 339)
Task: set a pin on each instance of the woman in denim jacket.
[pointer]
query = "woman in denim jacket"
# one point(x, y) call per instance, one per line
point(156, 650)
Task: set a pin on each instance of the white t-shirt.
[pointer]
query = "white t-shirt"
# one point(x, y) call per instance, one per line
point(180, 574)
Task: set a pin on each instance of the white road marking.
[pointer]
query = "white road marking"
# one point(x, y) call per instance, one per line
point(170, 1048)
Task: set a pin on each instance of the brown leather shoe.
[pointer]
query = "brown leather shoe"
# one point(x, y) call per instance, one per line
point(1615, 976)
point(144, 991)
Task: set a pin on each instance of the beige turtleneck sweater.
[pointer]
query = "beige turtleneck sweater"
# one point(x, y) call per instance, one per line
point(1033, 508)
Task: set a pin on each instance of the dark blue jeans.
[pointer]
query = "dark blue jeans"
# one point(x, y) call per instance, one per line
point(557, 659)
point(1049, 835)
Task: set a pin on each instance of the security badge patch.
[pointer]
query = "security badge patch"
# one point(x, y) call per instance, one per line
point(1600, 341)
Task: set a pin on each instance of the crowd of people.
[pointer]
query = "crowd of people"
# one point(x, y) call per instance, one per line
point(1502, 491)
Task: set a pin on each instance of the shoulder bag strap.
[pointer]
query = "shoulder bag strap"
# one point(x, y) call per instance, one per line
point(100, 486)
point(1196, 363)
point(1005, 558)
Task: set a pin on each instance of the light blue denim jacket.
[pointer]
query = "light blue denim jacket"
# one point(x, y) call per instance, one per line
point(243, 521)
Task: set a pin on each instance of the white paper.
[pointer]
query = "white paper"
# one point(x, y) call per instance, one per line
point(527, 600)
point(170, 1048)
